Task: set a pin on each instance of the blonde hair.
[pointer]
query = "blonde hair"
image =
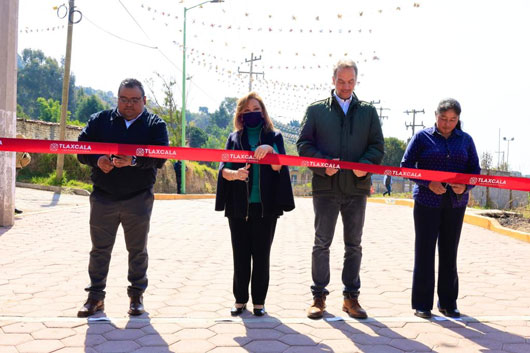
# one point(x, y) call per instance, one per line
point(242, 104)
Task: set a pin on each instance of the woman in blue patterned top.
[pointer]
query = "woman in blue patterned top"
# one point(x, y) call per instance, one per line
point(253, 196)
point(439, 208)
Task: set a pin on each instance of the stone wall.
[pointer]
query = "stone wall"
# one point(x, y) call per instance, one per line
point(44, 130)
point(166, 179)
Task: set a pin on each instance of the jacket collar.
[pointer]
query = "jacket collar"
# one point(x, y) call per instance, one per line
point(116, 114)
point(434, 130)
point(354, 99)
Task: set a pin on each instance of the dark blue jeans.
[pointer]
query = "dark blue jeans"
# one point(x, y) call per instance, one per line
point(134, 215)
point(327, 209)
point(432, 225)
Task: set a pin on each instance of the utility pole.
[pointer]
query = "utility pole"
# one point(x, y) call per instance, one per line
point(499, 152)
point(413, 125)
point(381, 109)
point(70, 12)
point(251, 72)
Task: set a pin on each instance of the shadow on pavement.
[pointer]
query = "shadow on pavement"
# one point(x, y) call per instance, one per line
point(4, 229)
point(55, 200)
point(380, 340)
point(137, 335)
point(277, 336)
point(490, 338)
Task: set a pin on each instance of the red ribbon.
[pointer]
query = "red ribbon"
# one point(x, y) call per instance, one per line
point(214, 155)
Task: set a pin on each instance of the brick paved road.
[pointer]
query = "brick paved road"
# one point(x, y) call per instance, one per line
point(43, 263)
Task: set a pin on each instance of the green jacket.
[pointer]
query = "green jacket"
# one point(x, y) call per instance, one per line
point(328, 133)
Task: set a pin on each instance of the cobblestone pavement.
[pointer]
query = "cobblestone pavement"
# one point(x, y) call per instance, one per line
point(43, 270)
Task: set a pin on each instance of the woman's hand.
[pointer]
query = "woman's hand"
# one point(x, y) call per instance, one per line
point(459, 189)
point(240, 174)
point(437, 187)
point(262, 150)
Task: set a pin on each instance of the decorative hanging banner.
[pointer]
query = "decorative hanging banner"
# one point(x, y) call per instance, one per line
point(214, 155)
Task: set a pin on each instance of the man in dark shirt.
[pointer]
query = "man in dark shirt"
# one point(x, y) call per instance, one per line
point(123, 192)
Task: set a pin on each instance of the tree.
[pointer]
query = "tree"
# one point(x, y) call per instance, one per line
point(394, 151)
point(49, 110)
point(486, 160)
point(294, 123)
point(41, 76)
point(87, 106)
point(167, 108)
point(224, 115)
point(196, 136)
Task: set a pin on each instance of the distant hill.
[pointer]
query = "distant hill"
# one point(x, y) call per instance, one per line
point(107, 97)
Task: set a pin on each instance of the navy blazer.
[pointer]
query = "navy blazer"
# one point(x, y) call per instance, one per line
point(275, 186)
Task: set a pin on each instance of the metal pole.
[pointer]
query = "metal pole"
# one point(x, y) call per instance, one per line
point(183, 114)
point(66, 85)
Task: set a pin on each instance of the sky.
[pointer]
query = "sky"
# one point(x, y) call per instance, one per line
point(410, 55)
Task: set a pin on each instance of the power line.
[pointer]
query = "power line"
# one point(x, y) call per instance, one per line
point(117, 36)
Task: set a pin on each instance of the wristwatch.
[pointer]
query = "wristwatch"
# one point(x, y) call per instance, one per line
point(133, 161)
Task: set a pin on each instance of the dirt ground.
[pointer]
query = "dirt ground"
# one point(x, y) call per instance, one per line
point(512, 220)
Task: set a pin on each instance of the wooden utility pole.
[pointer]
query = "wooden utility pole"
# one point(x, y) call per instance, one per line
point(8, 106)
point(381, 109)
point(251, 72)
point(413, 125)
point(66, 85)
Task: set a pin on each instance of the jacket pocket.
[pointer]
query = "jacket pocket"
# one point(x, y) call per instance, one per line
point(321, 183)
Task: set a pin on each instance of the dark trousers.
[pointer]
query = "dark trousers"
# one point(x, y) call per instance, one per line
point(352, 210)
point(442, 225)
point(134, 215)
point(251, 246)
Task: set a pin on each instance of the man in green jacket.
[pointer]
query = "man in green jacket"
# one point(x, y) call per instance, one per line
point(343, 128)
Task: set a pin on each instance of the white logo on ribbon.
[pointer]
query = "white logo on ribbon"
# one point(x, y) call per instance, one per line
point(140, 152)
point(388, 172)
point(473, 180)
point(54, 147)
point(304, 164)
point(224, 157)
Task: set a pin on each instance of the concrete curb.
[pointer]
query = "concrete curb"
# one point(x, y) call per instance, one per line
point(58, 189)
point(474, 219)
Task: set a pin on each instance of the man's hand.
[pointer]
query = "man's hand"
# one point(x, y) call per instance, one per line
point(459, 189)
point(121, 160)
point(332, 171)
point(105, 164)
point(359, 173)
point(437, 187)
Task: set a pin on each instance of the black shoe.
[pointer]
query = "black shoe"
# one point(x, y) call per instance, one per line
point(17, 211)
point(136, 307)
point(450, 312)
point(424, 314)
point(91, 307)
point(235, 311)
point(259, 312)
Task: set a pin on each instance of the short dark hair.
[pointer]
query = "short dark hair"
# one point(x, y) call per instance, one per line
point(449, 104)
point(131, 83)
point(345, 64)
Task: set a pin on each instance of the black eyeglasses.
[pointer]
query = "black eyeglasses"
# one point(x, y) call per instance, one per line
point(134, 100)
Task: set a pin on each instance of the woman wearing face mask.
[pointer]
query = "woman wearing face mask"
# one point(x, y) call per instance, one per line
point(253, 196)
point(439, 208)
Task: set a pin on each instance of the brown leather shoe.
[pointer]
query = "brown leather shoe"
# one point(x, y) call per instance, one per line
point(353, 308)
point(316, 310)
point(136, 306)
point(91, 307)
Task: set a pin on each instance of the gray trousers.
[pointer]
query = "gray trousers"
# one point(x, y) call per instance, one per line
point(106, 215)
point(352, 210)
